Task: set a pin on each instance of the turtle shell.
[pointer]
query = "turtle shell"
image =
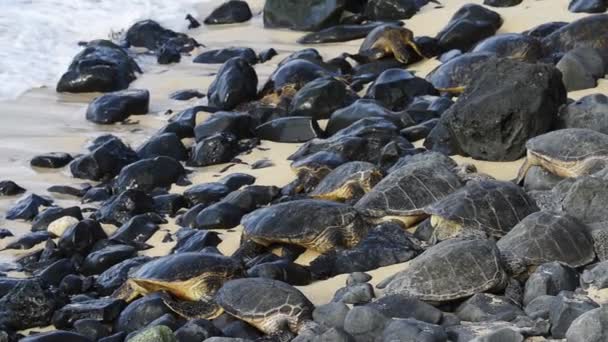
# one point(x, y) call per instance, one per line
point(590, 31)
point(451, 270)
point(315, 224)
point(570, 145)
point(487, 206)
point(347, 180)
point(380, 32)
point(512, 45)
point(458, 71)
point(267, 304)
point(410, 188)
point(545, 237)
point(185, 266)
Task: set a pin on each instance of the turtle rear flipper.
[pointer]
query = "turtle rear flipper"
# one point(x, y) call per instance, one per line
point(205, 309)
point(523, 171)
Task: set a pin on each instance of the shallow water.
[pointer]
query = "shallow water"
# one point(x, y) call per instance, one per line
point(38, 38)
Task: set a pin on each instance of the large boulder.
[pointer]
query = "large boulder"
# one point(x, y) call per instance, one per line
point(469, 25)
point(588, 112)
point(302, 15)
point(236, 83)
point(507, 104)
point(118, 106)
point(101, 67)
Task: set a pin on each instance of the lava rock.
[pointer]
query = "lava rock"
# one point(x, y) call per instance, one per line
point(112, 278)
point(236, 83)
point(99, 261)
point(235, 181)
point(10, 188)
point(54, 273)
point(118, 106)
point(331, 314)
point(29, 240)
point(236, 123)
point(27, 208)
point(302, 15)
point(565, 309)
point(159, 333)
point(267, 55)
point(550, 279)
point(221, 56)
point(384, 10)
point(419, 132)
point(219, 216)
point(592, 326)
point(57, 335)
point(364, 323)
point(101, 67)
point(581, 67)
point(196, 330)
point(230, 12)
point(138, 229)
point(412, 330)
point(321, 97)
point(365, 108)
point(216, 149)
point(103, 310)
point(104, 161)
point(469, 25)
point(206, 193)
point(53, 160)
point(141, 312)
point(282, 270)
point(166, 145)
point(293, 129)
point(27, 305)
point(588, 112)
point(355, 294)
point(252, 197)
point(81, 237)
point(169, 204)
point(191, 240)
point(502, 3)
point(151, 35)
point(186, 94)
point(396, 88)
point(91, 328)
point(538, 179)
point(150, 174)
point(524, 98)
point(43, 220)
point(402, 307)
point(125, 206)
point(168, 54)
point(487, 307)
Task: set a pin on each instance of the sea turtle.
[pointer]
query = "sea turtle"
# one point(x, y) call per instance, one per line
point(275, 308)
point(315, 224)
point(341, 33)
point(590, 31)
point(192, 279)
point(456, 74)
point(348, 181)
point(313, 168)
point(512, 45)
point(485, 208)
point(388, 40)
point(450, 270)
point(570, 152)
point(544, 237)
point(403, 194)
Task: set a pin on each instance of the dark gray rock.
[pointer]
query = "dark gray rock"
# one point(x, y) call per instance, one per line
point(267, 55)
point(502, 3)
point(469, 25)
point(219, 216)
point(196, 330)
point(105, 160)
point(365, 109)
point(191, 240)
point(125, 206)
point(169, 204)
point(484, 307)
point(524, 98)
point(102, 310)
point(565, 309)
point(364, 323)
point(545, 29)
point(358, 278)
point(239, 124)
point(236, 83)
point(151, 35)
point(206, 193)
point(57, 335)
point(321, 97)
point(29, 240)
point(235, 181)
point(27, 208)
point(307, 15)
point(293, 129)
point(501, 335)
point(587, 112)
point(92, 329)
point(45, 218)
point(384, 10)
point(540, 307)
point(396, 88)
point(166, 145)
point(220, 56)
point(282, 270)
point(27, 305)
point(158, 333)
point(186, 94)
point(412, 330)
point(583, 199)
point(402, 307)
point(581, 68)
point(118, 106)
point(55, 272)
point(539, 179)
point(230, 12)
point(10, 188)
point(216, 149)
point(512, 45)
point(331, 315)
point(141, 312)
point(138, 229)
point(592, 326)
point(418, 132)
point(81, 237)
point(101, 67)
point(53, 160)
point(149, 174)
point(550, 279)
point(99, 261)
point(355, 294)
point(112, 278)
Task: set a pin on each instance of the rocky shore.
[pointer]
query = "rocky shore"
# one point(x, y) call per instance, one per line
point(315, 170)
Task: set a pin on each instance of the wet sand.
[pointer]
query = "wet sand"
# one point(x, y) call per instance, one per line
point(43, 121)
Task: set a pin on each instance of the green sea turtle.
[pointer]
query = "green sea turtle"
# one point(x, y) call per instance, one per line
point(570, 152)
point(512, 45)
point(273, 307)
point(406, 191)
point(314, 224)
point(590, 31)
point(455, 75)
point(450, 270)
point(191, 279)
point(388, 40)
point(545, 237)
point(348, 181)
point(485, 208)
point(313, 168)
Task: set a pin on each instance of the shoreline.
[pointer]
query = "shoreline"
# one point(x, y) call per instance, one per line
point(42, 121)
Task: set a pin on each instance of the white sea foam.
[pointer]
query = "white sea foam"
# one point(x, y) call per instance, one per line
point(38, 38)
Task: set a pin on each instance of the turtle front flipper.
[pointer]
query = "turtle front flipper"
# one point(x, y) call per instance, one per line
point(127, 291)
point(204, 308)
point(523, 171)
point(415, 47)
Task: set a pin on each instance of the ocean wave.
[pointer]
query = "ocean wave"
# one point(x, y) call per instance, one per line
point(38, 38)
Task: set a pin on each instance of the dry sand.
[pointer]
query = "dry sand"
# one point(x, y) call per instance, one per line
point(43, 121)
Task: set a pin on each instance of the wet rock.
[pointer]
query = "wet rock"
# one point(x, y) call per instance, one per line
point(588, 112)
point(502, 3)
point(384, 245)
point(72, 284)
point(252, 197)
point(361, 109)
point(53, 160)
point(236, 83)
point(118, 337)
point(580, 68)
point(103, 310)
point(230, 12)
point(307, 15)
point(534, 92)
point(27, 305)
point(331, 314)
point(592, 326)
point(166, 145)
point(4, 233)
point(29, 240)
point(382, 10)
point(192, 22)
point(99, 261)
point(505, 334)
point(294, 129)
point(321, 97)
point(364, 323)
point(112, 278)
point(101, 67)
point(97, 194)
point(168, 54)
point(236, 123)
point(581, 199)
point(396, 88)
point(80, 237)
point(418, 132)
point(104, 161)
point(77, 191)
point(587, 6)
point(151, 35)
point(125, 206)
point(169, 204)
point(150, 174)
point(118, 106)
point(58, 335)
point(186, 94)
point(206, 193)
point(235, 181)
point(91, 328)
point(221, 56)
point(469, 25)
point(267, 55)
point(355, 294)
point(282, 270)
point(27, 208)
point(566, 308)
point(219, 216)
point(412, 330)
point(487, 307)
point(196, 330)
point(54, 273)
point(159, 333)
point(10, 188)
point(191, 240)
point(138, 229)
point(402, 307)
point(141, 312)
point(216, 149)
point(43, 220)
point(550, 279)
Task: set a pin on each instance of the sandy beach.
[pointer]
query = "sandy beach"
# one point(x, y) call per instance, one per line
point(43, 121)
